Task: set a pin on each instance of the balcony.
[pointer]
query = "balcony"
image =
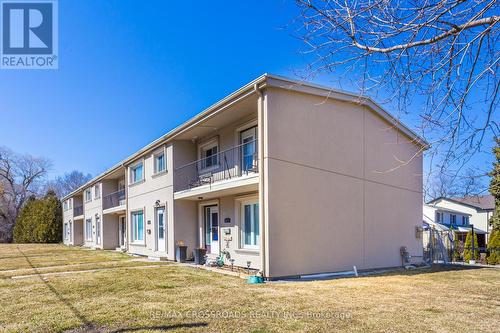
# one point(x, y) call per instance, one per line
point(77, 211)
point(114, 201)
point(226, 169)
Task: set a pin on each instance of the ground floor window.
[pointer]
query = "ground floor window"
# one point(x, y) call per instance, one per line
point(138, 226)
point(250, 223)
point(88, 229)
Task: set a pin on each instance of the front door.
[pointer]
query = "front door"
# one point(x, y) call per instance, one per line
point(123, 231)
point(160, 229)
point(212, 229)
point(98, 230)
point(249, 150)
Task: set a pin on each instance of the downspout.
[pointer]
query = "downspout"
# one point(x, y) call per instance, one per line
point(126, 209)
point(260, 127)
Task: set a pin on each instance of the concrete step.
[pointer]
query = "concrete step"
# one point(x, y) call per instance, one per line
point(157, 258)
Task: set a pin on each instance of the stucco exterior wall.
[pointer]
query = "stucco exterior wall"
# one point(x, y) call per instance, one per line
point(90, 209)
point(332, 199)
point(67, 219)
point(185, 225)
point(77, 238)
point(110, 232)
point(143, 196)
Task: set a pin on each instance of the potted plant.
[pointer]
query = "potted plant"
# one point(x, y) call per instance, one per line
point(199, 256)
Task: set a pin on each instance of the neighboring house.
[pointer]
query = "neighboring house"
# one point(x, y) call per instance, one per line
point(461, 213)
point(288, 177)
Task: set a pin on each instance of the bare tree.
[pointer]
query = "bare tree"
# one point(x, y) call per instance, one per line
point(435, 62)
point(67, 183)
point(451, 184)
point(21, 176)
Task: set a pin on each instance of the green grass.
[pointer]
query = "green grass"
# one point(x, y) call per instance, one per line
point(123, 297)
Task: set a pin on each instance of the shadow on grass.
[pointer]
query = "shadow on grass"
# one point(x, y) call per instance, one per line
point(86, 323)
point(161, 327)
point(390, 271)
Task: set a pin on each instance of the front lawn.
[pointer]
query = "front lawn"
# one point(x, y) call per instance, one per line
point(121, 297)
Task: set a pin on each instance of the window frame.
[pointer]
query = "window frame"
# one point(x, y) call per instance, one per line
point(205, 146)
point(133, 231)
point(439, 217)
point(157, 154)
point(253, 200)
point(97, 191)
point(132, 169)
point(87, 238)
point(89, 191)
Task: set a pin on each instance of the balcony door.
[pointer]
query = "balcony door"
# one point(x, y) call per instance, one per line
point(248, 139)
point(211, 218)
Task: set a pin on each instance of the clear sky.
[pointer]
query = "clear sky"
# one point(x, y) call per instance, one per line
point(141, 65)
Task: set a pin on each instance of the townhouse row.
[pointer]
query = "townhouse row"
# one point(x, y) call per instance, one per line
point(286, 177)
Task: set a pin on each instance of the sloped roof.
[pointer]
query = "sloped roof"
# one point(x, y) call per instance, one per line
point(481, 202)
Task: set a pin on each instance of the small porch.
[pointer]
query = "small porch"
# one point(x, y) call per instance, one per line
point(225, 226)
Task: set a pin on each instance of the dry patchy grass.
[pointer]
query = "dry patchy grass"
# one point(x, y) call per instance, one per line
point(170, 297)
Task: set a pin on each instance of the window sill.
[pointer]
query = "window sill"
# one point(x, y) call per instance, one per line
point(137, 183)
point(138, 244)
point(212, 168)
point(247, 251)
point(158, 174)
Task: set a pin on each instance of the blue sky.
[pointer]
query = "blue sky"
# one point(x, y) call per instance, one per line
point(150, 64)
point(146, 65)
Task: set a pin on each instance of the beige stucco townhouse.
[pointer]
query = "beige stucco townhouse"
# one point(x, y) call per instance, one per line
point(290, 178)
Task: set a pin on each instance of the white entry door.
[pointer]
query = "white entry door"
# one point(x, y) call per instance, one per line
point(122, 231)
point(212, 229)
point(98, 230)
point(160, 229)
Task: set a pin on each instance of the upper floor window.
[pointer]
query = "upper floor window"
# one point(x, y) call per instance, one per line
point(453, 219)
point(97, 191)
point(159, 162)
point(65, 205)
point(465, 220)
point(136, 173)
point(88, 195)
point(209, 154)
point(439, 218)
point(70, 203)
